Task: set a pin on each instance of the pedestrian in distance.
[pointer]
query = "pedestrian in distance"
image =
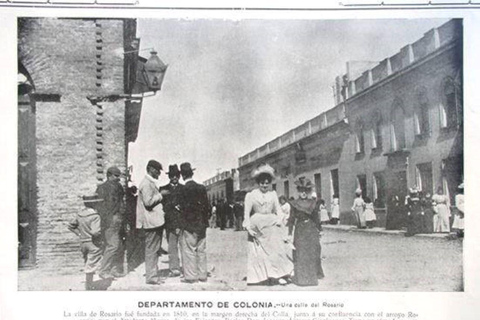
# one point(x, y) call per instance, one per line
point(268, 252)
point(87, 226)
point(323, 212)
point(415, 218)
point(112, 213)
point(171, 205)
point(370, 216)
point(151, 218)
point(441, 208)
point(427, 208)
point(335, 210)
point(238, 213)
point(458, 225)
point(358, 209)
point(195, 211)
point(213, 216)
point(306, 238)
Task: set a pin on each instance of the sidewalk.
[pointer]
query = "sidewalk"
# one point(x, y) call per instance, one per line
point(351, 228)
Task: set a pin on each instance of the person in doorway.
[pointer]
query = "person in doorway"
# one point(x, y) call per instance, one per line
point(112, 213)
point(324, 217)
point(415, 213)
point(86, 225)
point(195, 210)
point(358, 209)
point(151, 218)
point(428, 213)
point(268, 252)
point(171, 206)
point(306, 239)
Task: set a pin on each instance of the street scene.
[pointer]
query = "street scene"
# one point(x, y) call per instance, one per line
point(240, 155)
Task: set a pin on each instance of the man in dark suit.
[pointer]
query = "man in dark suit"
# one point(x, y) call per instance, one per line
point(171, 206)
point(195, 209)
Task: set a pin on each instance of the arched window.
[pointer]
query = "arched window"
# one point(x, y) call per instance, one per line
point(397, 127)
point(359, 137)
point(451, 103)
point(421, 120)
point(376, 132)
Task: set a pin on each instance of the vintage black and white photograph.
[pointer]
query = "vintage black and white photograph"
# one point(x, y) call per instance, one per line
point(195, 154)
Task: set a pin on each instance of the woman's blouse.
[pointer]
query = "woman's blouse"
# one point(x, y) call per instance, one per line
point(303, 210)
point(257, 202)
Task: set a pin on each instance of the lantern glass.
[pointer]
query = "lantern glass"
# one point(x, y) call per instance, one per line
point(154, 71)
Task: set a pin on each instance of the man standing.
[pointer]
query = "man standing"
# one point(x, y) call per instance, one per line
point(151, 218)
point(194, 221)
point(112, 212)
point(171, 205)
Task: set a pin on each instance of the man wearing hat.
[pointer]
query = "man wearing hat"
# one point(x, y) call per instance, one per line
point(151, 218)
point(195, 209)
point(171, 206)
point(112, 212)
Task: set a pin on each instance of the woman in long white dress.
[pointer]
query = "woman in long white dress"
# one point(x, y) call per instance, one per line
point(442, 209)
point(268, 252)
point(358, 209)
point(335, 209)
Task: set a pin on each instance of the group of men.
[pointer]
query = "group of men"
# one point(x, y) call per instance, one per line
point(181, 210)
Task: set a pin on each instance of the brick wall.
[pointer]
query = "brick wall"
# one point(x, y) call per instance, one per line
point(73, 58)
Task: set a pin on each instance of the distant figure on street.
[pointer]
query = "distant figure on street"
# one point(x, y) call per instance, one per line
point(442, 209)
point(268, 255)
point(86, 225)
point(151, 218)
point(306, 239)
point(323, 212)
point(112, 213)
point(285, 213)
point(427, 208)
point(213, 216)
point(394, 214)
point(458, 222)
point(238, 213)
point(358, 209)
point(222, 214)
point(171, 206)
point(335, 210)
point(195, 209)
point(415, 213)
point(370, 216)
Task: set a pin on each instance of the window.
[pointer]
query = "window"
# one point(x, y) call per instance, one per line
point(334, 182)
point(286, 189)
point(420, 116)
point(451, 103)
point(424, 177)
point(397, 128)
point(318, 185)
point(376, 132)
point(359, 139)
point(379, 192)
point(362, 184)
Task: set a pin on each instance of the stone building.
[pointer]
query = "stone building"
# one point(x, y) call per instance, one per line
point(396, 125)
point(77, 115)
point(222, 186)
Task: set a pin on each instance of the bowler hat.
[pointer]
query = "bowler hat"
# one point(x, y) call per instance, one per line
point(114, 171)
point(154, 164)
point(173, 170)
point(186, 167)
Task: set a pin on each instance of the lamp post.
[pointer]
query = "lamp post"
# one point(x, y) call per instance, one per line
point(154, 71)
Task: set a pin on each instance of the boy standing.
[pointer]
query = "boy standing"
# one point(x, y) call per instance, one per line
point(86, 225)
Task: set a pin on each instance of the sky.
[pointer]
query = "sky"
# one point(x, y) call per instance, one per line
point(233, 85)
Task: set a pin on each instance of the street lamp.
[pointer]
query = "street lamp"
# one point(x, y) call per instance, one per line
point(154, 71)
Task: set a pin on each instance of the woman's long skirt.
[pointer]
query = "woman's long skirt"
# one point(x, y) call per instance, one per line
point(268, 255)
point(307, 255)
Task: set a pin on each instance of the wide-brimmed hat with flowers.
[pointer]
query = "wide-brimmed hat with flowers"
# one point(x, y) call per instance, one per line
point(304, 183)
point(263, 168)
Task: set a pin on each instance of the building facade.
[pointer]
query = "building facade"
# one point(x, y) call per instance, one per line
point(75, 121)
point(222, 186)
point(397, 125)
